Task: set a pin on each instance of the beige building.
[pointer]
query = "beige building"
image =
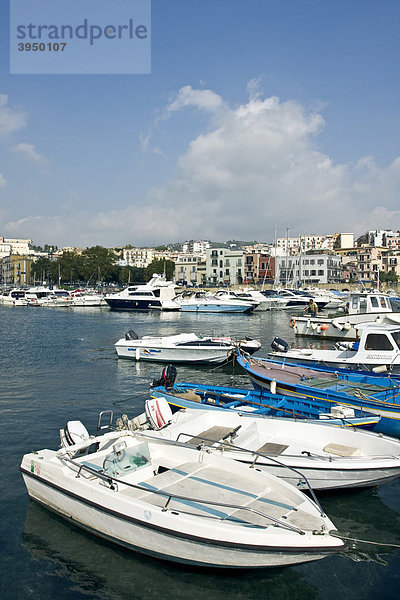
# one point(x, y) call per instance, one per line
point(16, 270)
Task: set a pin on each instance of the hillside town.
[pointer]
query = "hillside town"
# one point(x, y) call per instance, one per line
point(311, 260)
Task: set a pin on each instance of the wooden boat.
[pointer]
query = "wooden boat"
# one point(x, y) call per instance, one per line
point(258, 402)
point(379, 395)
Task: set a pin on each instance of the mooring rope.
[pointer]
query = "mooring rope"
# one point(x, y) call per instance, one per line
point(350, 539)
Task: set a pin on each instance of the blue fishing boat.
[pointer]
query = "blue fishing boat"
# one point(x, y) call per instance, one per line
point(374, 393)
point(259, 403)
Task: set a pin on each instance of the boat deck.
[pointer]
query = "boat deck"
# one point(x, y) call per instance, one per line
point(199, 483)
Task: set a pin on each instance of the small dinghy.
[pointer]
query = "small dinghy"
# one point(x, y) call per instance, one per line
point(183, 348)
point(177, 503)
point(302, 453)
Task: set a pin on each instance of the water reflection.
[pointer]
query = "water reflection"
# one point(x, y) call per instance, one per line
point(95, 568)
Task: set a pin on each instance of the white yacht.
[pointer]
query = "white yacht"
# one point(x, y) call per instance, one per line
point(158, 293)
point(207, 302)
point(13, 297)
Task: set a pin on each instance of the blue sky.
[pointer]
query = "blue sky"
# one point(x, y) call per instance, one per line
point(257, 115)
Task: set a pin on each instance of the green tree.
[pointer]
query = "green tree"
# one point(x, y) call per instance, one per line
point(99, 264)
point(44, 270)
point(389, 277)
point(159, 266)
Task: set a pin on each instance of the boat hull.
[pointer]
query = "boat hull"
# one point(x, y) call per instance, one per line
point(387, 410)
point(174, 354)
point(165, 534)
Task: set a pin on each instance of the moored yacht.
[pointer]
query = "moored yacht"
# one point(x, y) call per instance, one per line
point(158, 293)
point(13, 297)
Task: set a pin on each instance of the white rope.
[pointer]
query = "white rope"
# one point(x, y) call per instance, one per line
point(343, 537)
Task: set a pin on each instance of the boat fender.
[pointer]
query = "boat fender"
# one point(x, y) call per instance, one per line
point(292, 322)
point(137, 353)
point(324, 327)
point(347, 326)
point(319, 329)
point(272, 387)
point(158, 412)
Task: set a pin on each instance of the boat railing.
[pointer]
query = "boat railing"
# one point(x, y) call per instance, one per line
point(225, 445)
point(114, 481)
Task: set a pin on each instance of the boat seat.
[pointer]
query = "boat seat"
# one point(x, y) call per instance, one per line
point(341, 450)
point(212, 435)
point(272, 449)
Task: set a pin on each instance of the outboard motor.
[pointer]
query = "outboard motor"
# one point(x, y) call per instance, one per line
point(131, 335)
point(73, 433)
point(167, 378)
point(279, 345)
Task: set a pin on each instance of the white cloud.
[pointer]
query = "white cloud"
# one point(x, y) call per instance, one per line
point(202, 99)
point(257, 166)
point(29, 151)
point(11, 119)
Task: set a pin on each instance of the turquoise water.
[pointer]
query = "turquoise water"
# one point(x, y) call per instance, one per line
point(58, 365)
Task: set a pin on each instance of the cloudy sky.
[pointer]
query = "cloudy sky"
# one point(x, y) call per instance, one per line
point(258, 116)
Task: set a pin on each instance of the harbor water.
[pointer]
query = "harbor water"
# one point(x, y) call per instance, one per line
point(59, 364)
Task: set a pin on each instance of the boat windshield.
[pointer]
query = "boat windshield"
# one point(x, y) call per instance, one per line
point(378, 341)
point(396, 337)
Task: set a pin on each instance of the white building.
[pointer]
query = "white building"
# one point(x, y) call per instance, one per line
point(224, 266)
point(186, 269)
point(9, 246)
point(195, 247)
point(137, 257)
point(308, 269)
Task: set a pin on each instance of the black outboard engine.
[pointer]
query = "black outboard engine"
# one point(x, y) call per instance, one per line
point(167, 378)
point(131, 335)
point(279, 345)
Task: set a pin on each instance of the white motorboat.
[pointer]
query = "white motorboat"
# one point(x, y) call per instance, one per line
point(14, 297)
point(377, 347)
point(158, 293)
point(177, 503)
point(183, 347)
point(49, 297)
point(325, 456)
point(207, 302)
point(251, 295)
point(86, 298)
point(362, 307)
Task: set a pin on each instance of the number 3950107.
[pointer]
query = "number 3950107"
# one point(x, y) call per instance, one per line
point(42, 47)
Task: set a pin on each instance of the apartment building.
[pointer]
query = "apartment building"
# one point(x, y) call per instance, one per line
point(224, 266)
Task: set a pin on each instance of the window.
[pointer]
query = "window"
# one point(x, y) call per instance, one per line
point(374, 302)
point(383, 301)
point(320, 272)
point(396, 335)
point(377, 341)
